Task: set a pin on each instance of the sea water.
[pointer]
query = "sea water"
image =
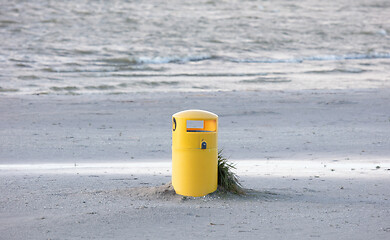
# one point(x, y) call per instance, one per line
point(120, 47)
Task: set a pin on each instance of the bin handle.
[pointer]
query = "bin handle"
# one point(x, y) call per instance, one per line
point(174, 122)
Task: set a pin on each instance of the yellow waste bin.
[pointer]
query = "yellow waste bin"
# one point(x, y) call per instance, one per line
point(194, 152)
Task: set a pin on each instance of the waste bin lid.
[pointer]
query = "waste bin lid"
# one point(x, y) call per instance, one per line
point(195, 114)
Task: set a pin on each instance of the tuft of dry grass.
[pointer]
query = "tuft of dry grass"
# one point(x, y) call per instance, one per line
point(227, 180)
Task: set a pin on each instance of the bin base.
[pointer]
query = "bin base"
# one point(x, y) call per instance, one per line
point(195, 171)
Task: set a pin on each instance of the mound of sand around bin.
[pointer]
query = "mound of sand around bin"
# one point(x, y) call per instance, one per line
point(167, 192)
point(164, 192)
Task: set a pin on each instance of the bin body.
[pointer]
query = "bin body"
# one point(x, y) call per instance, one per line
point(194, 153)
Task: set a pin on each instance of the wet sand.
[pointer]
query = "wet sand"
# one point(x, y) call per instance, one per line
point(302, 125)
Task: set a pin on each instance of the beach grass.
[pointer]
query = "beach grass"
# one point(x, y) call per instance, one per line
point(228, 181)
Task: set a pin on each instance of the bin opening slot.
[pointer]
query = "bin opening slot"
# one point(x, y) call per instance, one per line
point(201, 125)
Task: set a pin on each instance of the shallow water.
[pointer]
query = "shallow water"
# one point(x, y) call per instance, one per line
point(114, 47)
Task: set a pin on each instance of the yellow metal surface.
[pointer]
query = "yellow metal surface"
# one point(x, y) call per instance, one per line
point(194, 170)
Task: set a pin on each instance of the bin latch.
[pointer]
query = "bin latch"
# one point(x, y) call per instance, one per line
point(203, 145)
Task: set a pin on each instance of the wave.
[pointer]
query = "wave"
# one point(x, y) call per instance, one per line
point(195, 75)
point(2, 90)
point(267, 80)
point(338, 70)
point(313, 58)
point(154, 60)
point(198, 58)
point(174, 59)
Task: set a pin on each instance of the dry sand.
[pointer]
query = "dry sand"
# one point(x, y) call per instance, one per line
point(94, 167)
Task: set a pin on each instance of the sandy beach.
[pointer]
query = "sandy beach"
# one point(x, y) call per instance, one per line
point(94, 166)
